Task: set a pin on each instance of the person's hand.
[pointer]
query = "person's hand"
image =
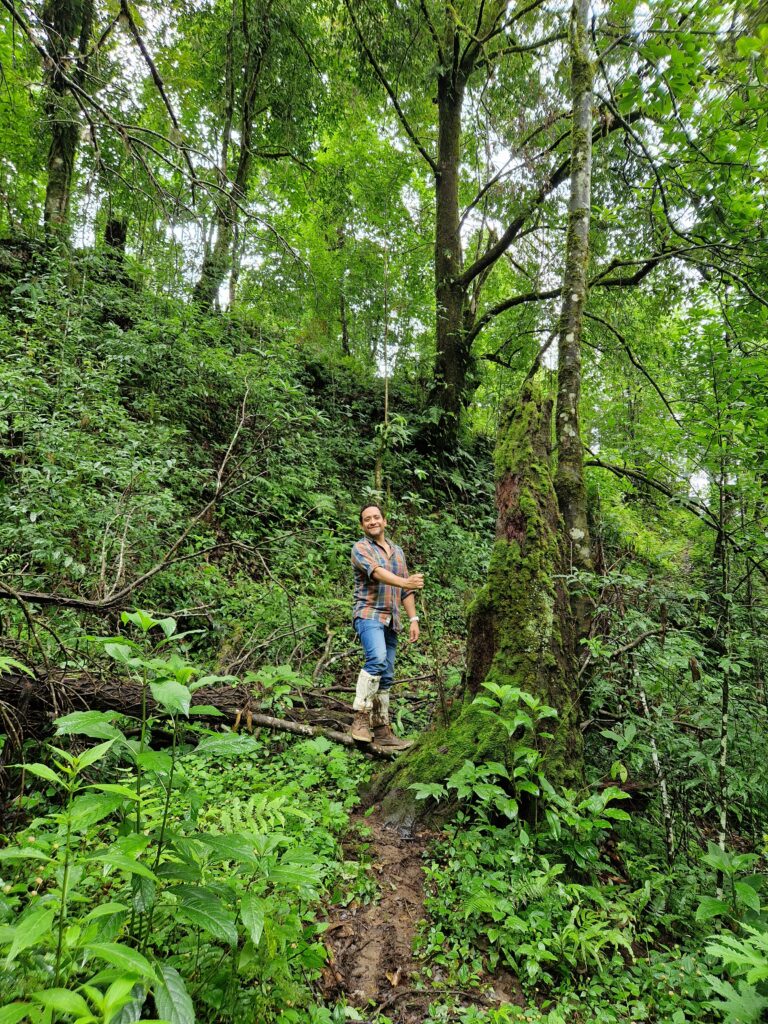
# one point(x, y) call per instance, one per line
point(415, 581)
point(413, 633)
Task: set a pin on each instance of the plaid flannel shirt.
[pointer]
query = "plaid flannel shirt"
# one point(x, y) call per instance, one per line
point(372, 599)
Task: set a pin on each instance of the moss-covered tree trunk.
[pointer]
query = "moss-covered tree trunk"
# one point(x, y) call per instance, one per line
point(65, 22)
point(519, 623)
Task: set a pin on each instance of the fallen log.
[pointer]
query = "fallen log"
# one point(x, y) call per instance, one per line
point(31, 706)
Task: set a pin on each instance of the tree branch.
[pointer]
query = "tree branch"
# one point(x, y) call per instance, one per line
point(390, 92)
point(557, 177)
point(635, 362)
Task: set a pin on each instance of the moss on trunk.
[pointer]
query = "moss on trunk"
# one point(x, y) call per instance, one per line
point(519, 624)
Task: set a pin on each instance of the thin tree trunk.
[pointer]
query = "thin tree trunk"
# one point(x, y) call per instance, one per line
point(343, 320)
point(218, 260)
point(661, 779)
point(64, 21)
point(452, 362)
point(569, 481)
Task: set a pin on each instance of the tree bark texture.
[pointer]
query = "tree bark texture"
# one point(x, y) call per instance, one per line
point(65, 21)
point(571, 492)
point(453, 358)
point(519, 624)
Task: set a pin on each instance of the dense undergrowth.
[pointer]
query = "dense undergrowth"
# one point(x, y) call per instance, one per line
point(164, 870)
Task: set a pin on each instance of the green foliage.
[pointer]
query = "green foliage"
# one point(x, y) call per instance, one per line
point(149, 862)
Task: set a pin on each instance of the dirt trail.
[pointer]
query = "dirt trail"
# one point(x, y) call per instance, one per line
point(371, 962)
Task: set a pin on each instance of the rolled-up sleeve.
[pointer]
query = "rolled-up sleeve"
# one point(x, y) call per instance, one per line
point(362, 560)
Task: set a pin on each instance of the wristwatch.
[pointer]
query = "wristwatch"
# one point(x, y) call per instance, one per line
point(414, 618)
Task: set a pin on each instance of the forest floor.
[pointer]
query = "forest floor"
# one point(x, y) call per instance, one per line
point(370, 946)
point(371, 962)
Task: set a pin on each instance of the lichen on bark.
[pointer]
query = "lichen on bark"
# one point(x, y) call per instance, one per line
point(519, 629)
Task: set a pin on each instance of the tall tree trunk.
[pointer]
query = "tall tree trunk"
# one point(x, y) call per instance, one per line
point(452, 362)
point(571, 492)
point(519, 624)
point(64, 21)
point(218, 259)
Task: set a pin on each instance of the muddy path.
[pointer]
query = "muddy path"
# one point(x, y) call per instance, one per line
point(371, 962)
point(370, 946)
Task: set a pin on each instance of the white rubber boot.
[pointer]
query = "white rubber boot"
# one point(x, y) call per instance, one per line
point(365, 690)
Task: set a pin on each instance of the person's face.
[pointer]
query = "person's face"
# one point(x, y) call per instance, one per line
point(373, 522)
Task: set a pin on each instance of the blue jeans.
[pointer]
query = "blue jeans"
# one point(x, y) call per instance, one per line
point(379, 643)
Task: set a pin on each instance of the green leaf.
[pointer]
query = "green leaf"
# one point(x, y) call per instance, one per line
point(172, 999)
point(93, 807)
point(116, 788)
point(63, 1001)
point(235, 847)
point(96, 725)
point(127, 959)
point(123, 862)
point(14, 1012)
point(42, 771)
point(747, 896)
point(30, 931)
point(424, 790)
point(204, 909)
point(252, 913)
point(119, 652)
point(154, 761)
point(89, 757)
point(23, 853)
point(124, 1000)
point(709, 907)
point(173, 697)
point(6, 663)
point(105, 910)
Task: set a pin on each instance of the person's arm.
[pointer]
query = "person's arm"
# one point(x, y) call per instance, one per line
point(413, 582)
point(409, 603)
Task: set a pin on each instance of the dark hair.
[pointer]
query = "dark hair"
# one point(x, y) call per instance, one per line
point(371, 504)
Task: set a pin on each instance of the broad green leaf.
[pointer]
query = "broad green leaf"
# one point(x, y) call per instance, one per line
point(127, 959)
point(89, 757)
point(252, 913)
point(154, 761)
point(116, 788)
point(23, 853)
point(14, 1012)
point(42, 771)
point(235, 847)
point(105, 909)
point(119, 652)
point(92, 807)
point(173, 697)
point(709, 907)
point(124, 1001)
point(172, 999)
point(144, 890)
point(204, 909)
point(96, 725)
point(747, 896)
point(63, 1001)
point(29, 931)
point(123, 862)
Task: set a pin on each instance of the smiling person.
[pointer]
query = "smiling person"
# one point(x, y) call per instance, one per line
point(382, 586)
